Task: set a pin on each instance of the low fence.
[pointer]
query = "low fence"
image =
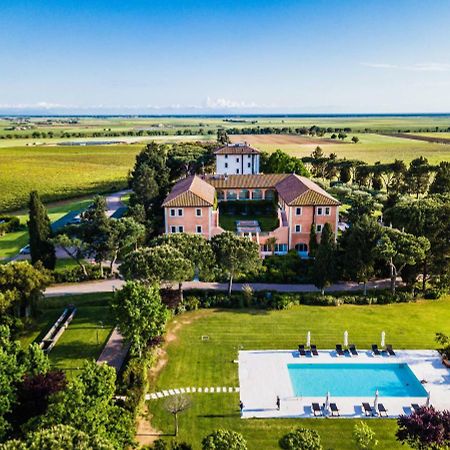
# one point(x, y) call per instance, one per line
point(56, 331)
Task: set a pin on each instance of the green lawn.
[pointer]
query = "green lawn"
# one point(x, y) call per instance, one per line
point(79, 342)
point(11, 243)
point(193, 362)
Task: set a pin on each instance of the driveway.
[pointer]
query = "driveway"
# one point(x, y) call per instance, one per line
point(89, 287)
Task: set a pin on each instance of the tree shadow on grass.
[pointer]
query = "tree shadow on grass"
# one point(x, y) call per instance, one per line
point(80, 350)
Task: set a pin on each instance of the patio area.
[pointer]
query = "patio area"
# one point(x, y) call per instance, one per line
point(264, 375)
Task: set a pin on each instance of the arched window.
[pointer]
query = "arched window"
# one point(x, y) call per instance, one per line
point(270, 194)
point(301, 247)
point(257, 194)
point(231, 195)
point(220, 195)
point(244, 194)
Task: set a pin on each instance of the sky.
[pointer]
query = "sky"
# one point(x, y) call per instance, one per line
point(258, 56)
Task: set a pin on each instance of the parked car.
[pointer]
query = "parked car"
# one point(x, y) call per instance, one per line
point(25, 250)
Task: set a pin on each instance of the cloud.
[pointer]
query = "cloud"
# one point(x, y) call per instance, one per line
point(223, 103)
point(418, 67)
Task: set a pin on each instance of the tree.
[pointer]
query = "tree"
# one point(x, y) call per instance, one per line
point(22, 285)
point(193, 247)
point(418, 176)
point(281, 162)
point(88, 405)
point(361, 206)
point(158, 264)
point(140, 314)
point(359, 243)
point(34, 392)
point(187, 159)
point(271, 242)
point(355, 139)
point(325, 260)
point(58, 437)
point(364, 436)
point(424, 429)
point(123, 233)
point(441, 182)
point(40, 231)
point(313, 244)
point(175, 405)
point(224, 440)
point(345, 173)
point(95, 230)
point(222, 137)
point(74, 247)
point(301, 439)
point(235, 255)
point(399, 249)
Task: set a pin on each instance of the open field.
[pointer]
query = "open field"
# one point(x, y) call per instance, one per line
point(195, 362)
point(79, 341)
point(370, 148)
point(11, 243)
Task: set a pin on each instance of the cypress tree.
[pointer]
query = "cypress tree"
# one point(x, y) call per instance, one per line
point(39, 229)
point(313, 241)
point(325, 261)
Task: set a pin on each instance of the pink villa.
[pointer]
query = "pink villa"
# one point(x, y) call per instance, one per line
point(193, 205)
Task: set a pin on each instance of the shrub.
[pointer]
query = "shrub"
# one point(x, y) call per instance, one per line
point(8, 224)
point(224, 440)
point(301, 439)
point(76, 274)
point(364, 436)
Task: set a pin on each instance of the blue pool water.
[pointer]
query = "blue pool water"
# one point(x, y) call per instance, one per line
point(354, 380)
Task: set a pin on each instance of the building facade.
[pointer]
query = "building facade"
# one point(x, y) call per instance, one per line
point(193, 206)
point(237, 159)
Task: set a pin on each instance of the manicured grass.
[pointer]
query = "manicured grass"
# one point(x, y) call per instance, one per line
point(199, 363)
point(267, 223)
point(79, 342)
point(11, 243)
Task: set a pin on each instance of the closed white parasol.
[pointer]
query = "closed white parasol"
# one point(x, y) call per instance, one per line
point(308, 339)
point(383, 339)
point(428, 402)
point(327, 403)
point(375, 402)
point(345, 338)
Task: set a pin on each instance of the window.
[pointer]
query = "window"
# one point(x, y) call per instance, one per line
point(249, 165)
point(244, 194)
point(319, 211)
point(173, 229)
point(319, 227)
point(226, 156)
point(237, 160)
point(281, 248)
point(198, 212)
point(327, 211)
point(199, 229)
point(180, 229)
point(298, 211)
point(301, 247)
point(270, 194)
point(231, 195)
point(257, 194)
point(298, 228)
point(237, 170)
point(172, 213)
point(220, 195)
point(226, 165)
point(249, 156)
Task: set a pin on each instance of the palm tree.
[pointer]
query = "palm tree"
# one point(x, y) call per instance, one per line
point(270, 242)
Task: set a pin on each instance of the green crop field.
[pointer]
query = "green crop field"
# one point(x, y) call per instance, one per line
point(194, 362)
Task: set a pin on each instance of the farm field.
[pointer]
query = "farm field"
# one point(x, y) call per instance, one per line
point(370, 148)
point(194, 362)
point(79, 342)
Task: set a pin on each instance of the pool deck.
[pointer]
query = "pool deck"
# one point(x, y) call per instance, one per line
point(263, 375)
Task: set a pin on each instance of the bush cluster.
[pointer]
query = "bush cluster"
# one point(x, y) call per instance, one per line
point(75, 274)
point(8, 224)
point(195, 299)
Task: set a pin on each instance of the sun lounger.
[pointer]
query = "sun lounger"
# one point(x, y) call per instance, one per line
point(352, 349)
point(375, 350)
point(314, 350)
point(339, 350)
point(316, 409)
point(382, 410)
point(334, 409)
point(390, 350)
point(415, 407)
point(301, 350)
point(367, 409)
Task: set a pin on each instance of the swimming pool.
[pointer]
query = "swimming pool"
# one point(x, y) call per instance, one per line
point(354, 380)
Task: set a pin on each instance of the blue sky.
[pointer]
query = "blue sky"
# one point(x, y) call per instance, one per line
point(183, 56)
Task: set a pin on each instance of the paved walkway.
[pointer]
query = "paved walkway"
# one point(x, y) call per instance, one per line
point(115, 351)
point(114, 201)
point(89, 287)
point(190, 390)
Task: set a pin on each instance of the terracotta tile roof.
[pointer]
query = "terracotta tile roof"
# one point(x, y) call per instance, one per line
point(237, 149)
point(256, 181)
point(300, 191)
point(191, 191)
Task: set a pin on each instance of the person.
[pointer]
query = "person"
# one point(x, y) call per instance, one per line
point(278, 403)
point(241, 406)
